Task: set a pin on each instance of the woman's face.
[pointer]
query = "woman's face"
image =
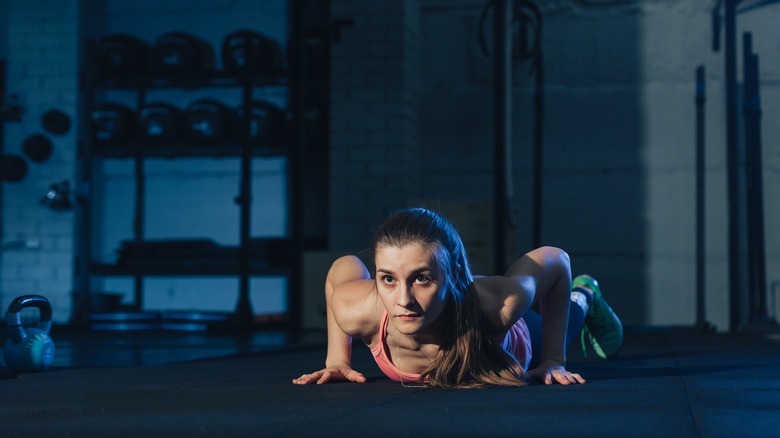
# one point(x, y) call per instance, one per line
point(411, 285)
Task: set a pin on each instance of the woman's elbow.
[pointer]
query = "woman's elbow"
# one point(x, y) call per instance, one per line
point(552, 254)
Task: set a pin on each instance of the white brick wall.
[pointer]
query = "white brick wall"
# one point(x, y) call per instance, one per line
point(41, 49)
point(374, 123)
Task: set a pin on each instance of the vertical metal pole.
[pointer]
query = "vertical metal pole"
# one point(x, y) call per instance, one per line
point(140, 196)
point(243, 314)
point(700, 196)
point(2, 141)
point(756, 259)
point(82, 306)
point(502, 128)
point(538, 148)
point(732, 163)
point(295, 162)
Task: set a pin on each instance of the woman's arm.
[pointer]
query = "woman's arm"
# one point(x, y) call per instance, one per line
point(505, 298)
point(551, 269)
point(542, 276)
point(347, 289)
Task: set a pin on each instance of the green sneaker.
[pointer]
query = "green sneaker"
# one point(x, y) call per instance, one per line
point(602, 327)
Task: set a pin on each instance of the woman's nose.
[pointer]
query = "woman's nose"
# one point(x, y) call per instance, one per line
point(406, 296)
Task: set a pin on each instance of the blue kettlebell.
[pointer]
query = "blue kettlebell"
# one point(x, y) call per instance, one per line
point(29, 350)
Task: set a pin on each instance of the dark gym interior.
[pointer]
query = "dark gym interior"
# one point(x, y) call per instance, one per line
point(176, 178)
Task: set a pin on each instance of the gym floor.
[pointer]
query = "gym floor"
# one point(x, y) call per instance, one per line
point(665, 382)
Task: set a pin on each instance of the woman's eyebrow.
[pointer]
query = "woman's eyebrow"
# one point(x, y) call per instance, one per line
point(419, 270)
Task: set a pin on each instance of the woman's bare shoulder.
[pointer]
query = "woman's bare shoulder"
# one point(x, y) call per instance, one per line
point(357, 308)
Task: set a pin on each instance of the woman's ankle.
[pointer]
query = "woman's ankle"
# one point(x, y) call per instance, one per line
point(583, 296)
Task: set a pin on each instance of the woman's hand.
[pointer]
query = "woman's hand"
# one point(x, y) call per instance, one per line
point(549, 373)
point(330, 374)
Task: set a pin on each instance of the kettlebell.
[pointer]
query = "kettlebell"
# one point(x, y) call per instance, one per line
point(29, 350)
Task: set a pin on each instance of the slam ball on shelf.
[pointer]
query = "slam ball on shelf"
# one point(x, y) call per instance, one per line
point(113, 124)
point(207, 121)
point(182, 54)
point(247, 51)
point(266, 125)
point(159, 123)
point(122, 56)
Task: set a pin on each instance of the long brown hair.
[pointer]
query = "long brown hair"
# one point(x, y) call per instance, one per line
point(468, 358)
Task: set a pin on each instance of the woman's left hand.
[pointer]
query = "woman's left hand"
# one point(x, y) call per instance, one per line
point(554, 373)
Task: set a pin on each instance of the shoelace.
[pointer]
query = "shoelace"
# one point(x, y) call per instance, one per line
point(583, 333)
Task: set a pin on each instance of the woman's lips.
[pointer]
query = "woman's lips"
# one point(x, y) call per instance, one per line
point(408, 317)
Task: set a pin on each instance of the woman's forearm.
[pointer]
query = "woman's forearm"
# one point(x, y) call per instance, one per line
point(550, 269)
point(554, 309)
point(339, 343)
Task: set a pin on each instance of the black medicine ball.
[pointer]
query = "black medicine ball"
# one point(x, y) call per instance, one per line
point(37, 147)
point(13, 168)
point(55, 122)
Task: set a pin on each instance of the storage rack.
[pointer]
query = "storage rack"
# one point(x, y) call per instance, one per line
point(245, 265)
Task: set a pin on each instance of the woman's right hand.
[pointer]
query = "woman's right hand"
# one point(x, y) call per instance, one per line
point(330, 374)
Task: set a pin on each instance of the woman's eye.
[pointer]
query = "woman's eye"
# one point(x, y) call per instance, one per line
point(388, 280)
point(422, 279)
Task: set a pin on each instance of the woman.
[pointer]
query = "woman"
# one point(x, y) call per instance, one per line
point(428, 321)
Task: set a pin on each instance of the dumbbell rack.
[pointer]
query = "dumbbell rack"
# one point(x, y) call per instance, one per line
point(245, 265)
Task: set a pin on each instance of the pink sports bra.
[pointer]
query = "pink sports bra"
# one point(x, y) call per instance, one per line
point(517, 342)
